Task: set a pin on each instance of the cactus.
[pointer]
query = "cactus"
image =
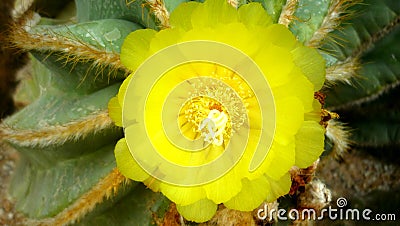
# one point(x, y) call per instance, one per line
point(67, 171)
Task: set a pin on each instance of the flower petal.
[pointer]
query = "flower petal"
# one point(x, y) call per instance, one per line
point(279, 160)
point(312, 64)
point(115, 111)
point(309, 143)
point(181, 16)
point(212, 13)
point(135, 48)
point(289, 117)
point(315, 114)
point(276, 63)
point(182, 195)
point(299, 87)
point(224, 188)
point(253, 193)
point(279, 187)
point(200, 211)
point(165, 38)
point(122, 90)
point(126, 164)
point(254, 14)
point(279, 35)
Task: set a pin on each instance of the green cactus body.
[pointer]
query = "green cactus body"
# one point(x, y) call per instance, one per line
point(67, 171)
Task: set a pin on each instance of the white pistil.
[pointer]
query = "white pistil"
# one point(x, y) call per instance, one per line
point(212, 128)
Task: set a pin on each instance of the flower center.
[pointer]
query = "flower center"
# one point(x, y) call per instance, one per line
point(204, 117)
point(212, 128)
point(215, 110)
point(216, 106)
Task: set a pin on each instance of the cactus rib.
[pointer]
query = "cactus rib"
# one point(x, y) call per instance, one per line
point(374, 38)
point(58, 134)
point(73, 50)
point(105, 188)
point(338, 12)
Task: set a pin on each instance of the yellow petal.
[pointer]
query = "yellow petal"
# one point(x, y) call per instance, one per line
point(279, 187)
point(279, 160)
point(289, 117)
point(256, 191)
point(212, 13)
point(299, 87)
point(312, 64)
point(224, 188)
point(115, 111)
point(181, 16)
point(165, 38)
point(122, 90)
point(241, 39)
point(182, 195)
point(253, 193)
point(309, 143)
point(126, 164)
point(200, 211)
point(135, 48)
point(279, 35)
point(253, 14)
point(276, 63)
point(315, 114)
point(153, 184)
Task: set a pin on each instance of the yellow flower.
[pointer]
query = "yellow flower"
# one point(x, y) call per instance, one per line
point(220, 106)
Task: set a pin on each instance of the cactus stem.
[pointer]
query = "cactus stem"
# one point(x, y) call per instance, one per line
point(385, 89)
point(339, 134)
point(287, 14)
point(338, 11)
point(348, 68)
point(105, 188)
point(369, 43)
point(58, 134)
point(342, 72)
point(157, 7)
point(72, 50)
point(365, 44)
